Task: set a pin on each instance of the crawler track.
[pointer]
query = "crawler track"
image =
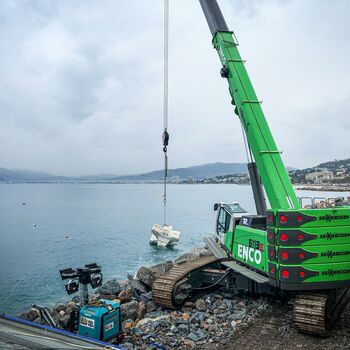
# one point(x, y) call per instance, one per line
point(314, 313)
point(164, 287)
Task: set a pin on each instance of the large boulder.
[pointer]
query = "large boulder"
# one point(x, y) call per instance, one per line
point(192, 255)
point(138, 287)
point(160, 269)
point(141, 310)
point(146, 276)
point(111, 287)
point(125, 295)
point(129, 310)
point(30, 315)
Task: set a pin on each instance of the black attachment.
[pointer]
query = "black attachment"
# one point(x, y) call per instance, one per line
point(73, 322)
point(253, 221)
point(94, 268)
point(259, 197)
point(165, 138)
point(84, 274)
point(96, 280)
point(72, 286)
point(88, 274)
point(45, 315)
point(214, 17)
point(68, 273)
point(224, 74)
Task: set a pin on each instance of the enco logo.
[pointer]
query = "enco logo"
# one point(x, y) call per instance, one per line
point(334, 217)
point(249, 254)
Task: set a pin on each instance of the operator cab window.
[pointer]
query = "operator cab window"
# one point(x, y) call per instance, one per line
point(223, 221)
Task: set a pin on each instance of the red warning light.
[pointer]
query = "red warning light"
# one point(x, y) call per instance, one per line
point(283, 219)
point(284, 255)
point(285, 274)
point(299, 218)
point(301, 255)
point(270, 218)
point(301, 274)
point(300, 237)
point(284, 237)
point(272, 270)
point(261, 247)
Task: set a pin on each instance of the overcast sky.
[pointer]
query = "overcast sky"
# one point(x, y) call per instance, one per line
point(81, 83)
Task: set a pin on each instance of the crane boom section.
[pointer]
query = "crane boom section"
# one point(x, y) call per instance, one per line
point(274, 175)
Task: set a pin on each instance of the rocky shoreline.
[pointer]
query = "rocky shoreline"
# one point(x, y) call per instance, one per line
point(209, 321)
point(323, 188)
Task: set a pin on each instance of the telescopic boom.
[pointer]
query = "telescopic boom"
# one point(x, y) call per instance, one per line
point(274, 175)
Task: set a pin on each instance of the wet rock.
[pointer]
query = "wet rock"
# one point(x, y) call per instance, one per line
point(201, 334)
point(107, 296)
point(30, 315)
point(145, 276)
point(197, 317)
point(63, 321)
point(192, 255)
point(193, 336)
point(129, 309)
point(209, 321)
point(60, 307)
point(76, 299)
point(240, 305)
point(161, 269)
point(188, 306)
point(201, 305)
point(190, 343)
point(182, 328)
point(145, 297)
point(151, 306)
point(141, 310)
point(125, 296)
point(138, 287)
point(173, 328)
point(111, 287)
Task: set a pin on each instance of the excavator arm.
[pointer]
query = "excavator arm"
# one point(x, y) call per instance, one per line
point(274, 175)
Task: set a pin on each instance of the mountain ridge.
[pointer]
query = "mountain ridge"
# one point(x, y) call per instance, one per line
point(198, 172)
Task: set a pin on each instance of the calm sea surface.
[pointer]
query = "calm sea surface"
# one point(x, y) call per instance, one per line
point(105, 223)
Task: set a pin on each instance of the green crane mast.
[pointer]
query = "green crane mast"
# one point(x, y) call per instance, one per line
point(274, 175)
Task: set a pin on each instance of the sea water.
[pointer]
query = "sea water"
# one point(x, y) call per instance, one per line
point(48, 227)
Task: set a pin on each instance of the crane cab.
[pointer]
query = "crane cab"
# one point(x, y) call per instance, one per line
point(228, 216)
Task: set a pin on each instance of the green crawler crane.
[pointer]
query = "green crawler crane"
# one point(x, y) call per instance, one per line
point(283, 250)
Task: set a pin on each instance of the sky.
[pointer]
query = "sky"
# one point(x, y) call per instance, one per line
point(81, 88)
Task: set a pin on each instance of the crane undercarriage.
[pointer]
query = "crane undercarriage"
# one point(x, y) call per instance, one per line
point(314, 312)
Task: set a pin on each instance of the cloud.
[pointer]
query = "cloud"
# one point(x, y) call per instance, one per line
point(81, 87)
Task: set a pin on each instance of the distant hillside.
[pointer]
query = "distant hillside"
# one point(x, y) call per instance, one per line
point(333, 172)
point(198, 172)
point(335, 164)
point(192, 173)
point(19, 175)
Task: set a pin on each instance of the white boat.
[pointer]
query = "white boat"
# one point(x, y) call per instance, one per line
point(164, 236)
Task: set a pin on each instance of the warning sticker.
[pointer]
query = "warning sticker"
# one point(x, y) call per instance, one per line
point(87, 322)
point(109, 326)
